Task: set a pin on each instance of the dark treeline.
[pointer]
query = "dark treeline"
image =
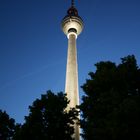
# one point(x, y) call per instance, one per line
point(110, 108)
point(111, 104)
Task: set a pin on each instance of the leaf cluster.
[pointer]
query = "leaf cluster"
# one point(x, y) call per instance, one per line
point(7, 126)
point(48, 119)
point(111, 104)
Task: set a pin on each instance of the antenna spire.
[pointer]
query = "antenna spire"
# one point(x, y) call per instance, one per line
point(72, 3)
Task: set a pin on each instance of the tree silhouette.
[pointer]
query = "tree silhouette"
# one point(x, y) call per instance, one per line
point(7, 126)
point(111, 104)
point(48, 119)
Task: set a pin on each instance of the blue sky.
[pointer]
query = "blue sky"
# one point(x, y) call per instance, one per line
point(33, 48)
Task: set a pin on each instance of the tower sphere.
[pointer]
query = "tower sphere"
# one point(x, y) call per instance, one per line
point(72, 22)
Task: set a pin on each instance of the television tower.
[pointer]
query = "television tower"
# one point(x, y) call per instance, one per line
point(72, 26)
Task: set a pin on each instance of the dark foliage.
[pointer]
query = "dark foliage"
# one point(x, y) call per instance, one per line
point(48, 119)
point(7, 126)
point(111, 104)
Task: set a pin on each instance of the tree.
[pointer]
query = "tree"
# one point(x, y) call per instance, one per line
point(111, 104)
point(7, 126)
point(48, 119)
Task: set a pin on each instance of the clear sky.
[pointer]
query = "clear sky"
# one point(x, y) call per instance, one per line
point(33, 48)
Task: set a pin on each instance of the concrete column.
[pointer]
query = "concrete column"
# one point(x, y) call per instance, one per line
point(71, 87)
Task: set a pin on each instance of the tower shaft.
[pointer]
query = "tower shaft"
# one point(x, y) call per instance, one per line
point(71, 87)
